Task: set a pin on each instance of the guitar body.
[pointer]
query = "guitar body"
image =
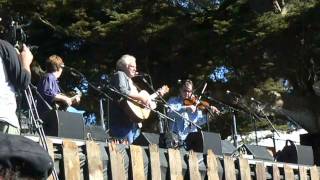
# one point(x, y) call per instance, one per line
point(138, 112)
point(135, 110)
point(63, 106)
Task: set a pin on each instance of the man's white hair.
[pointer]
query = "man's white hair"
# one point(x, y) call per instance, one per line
point(124, 61)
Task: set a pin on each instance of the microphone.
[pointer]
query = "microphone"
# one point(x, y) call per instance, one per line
point(209, 97)
point(141, 74)
point(255, 101)
point(233, 93)
point(72, 70)
point(67, 67)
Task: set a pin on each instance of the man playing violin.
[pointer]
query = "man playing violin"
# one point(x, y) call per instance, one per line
point(184, 113)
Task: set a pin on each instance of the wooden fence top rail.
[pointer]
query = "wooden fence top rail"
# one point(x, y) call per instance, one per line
point(135, 162)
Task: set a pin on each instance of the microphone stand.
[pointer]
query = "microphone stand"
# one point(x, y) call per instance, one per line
point(235, 132)
point(234, 120)
point(254, 119)
point(274, 130)
point(101, 123)
point(101, 114)
point(268, 120)
point(255, 127)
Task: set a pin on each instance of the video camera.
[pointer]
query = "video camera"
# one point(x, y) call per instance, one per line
point(13, 32)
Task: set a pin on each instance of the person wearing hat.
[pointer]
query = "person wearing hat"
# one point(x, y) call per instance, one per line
point(22, 158)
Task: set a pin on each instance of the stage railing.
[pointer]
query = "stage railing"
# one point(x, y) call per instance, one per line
point(75, 159)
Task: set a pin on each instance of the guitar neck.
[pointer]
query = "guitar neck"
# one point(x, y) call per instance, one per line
point(163, 90)
point(74, 97)
point(154, 95)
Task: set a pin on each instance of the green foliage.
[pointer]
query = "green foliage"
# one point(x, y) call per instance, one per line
point(270, 23)
point(173, 42)
point(271, 85)
point(221, 27)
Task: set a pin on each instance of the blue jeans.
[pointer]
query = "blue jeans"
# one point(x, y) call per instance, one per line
point(129, 133)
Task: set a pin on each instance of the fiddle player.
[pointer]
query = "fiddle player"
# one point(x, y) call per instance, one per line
point(122, 128)
point(182, 127)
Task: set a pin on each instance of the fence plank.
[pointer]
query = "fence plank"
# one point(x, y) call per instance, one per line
point(117, 165)
point(288, 172)
point(193, 166)
point(175, 164)
point(314, 173)
point(260, 171)
point(155, 162)
point(71, 161)
point(229, 168)
point(302, 173)
point(275, 172)
point(95, 165)
point(244, 169)
point(137, 163)
point(212, 171)
point(51, 153)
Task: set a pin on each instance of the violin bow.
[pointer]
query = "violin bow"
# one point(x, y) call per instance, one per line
point(203, 89)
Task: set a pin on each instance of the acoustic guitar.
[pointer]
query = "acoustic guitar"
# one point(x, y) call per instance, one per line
point(137, 111)
point(59, 105)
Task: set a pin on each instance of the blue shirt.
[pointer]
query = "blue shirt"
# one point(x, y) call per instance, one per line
point(48, 88)
point(180, 126)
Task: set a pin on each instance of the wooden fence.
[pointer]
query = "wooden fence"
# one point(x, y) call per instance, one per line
point(77, 160)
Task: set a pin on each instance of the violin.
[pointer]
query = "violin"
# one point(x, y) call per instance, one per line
point(202, 105)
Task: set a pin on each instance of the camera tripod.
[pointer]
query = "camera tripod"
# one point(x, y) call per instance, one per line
point(37, 125)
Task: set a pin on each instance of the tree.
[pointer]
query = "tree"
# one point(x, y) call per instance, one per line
point(271, 57)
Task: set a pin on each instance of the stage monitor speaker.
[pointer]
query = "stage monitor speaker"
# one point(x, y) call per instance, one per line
point(145, 139)
point(259, 152)
point(228, 148)
point(202, 141)
point(212, 141)
point(64, 124)
point(96, 133)
point(298, 154)
point(314, 141)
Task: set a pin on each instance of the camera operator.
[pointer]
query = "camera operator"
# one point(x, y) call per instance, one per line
point(14, 75)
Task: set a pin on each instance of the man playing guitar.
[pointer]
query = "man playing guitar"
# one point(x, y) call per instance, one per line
point(49, 88)
point(123, 127)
